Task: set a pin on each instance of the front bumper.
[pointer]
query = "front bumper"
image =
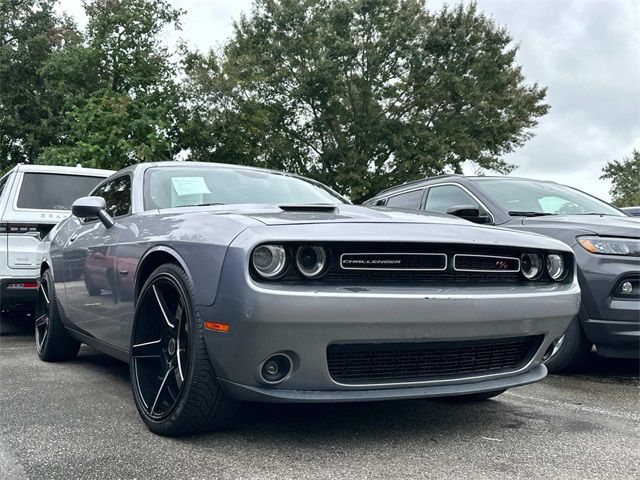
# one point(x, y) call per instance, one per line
point(263, 394)
point(612, 324)
point(303, 321)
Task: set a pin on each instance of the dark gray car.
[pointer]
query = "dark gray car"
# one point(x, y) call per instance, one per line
point(605, 240)
point(220, 283)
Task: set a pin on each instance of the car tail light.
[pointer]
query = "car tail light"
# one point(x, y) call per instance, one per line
point(23, 229)
point(22, 286)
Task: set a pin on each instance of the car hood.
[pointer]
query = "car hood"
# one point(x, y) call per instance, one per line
point(346, 223)
point(272, 215)
point(295, 215)
point(602, 225)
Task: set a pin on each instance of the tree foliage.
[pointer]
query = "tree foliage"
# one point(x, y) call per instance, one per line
point(359, 94)
point(625, 177)
point(118, 87)
point(362, 94)
point(30, 32)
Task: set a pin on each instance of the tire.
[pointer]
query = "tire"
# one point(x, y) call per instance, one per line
point(475, 397)
point(572, 353)
point(53, 341)
point(175, 388)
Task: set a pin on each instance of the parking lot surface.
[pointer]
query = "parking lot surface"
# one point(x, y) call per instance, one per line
point(77, 420)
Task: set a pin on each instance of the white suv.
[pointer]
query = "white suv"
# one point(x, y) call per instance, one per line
point(33, 198)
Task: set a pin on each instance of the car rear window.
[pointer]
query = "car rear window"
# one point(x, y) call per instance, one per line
point(53, 191)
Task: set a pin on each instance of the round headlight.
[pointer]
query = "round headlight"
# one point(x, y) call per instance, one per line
point(556, 267)
point(531, 265)
point(311, 261)
point(269, 260)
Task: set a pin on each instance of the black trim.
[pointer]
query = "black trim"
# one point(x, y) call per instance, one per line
point(104, 347)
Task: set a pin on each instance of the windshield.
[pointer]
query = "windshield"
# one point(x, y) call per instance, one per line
point(168, 187)
point(53, 191)
point(520, 197)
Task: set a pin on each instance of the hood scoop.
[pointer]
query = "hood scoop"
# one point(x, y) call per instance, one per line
point(309, 208)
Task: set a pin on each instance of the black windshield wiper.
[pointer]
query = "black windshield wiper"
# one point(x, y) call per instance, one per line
point(517, 213)
point(598, 213)
point(202, 205)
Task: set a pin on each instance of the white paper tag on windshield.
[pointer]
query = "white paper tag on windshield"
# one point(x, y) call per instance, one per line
point(189, 186)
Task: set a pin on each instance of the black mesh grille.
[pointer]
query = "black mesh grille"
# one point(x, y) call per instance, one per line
point(394, 362)
point(486, 263)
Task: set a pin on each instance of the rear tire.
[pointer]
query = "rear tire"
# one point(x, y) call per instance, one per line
point(175, 388)
point(573, 352)
point(53, 341)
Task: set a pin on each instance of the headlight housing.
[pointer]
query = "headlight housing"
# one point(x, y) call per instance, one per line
point(311, 261)
point(531, 265)
point(611, 245)
point(269, 261)
point(556, 267)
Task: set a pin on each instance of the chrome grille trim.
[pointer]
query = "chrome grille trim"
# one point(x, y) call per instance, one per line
point(496, 270)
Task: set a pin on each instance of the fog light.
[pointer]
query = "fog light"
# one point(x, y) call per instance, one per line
point(276, 368)
point(626, 288)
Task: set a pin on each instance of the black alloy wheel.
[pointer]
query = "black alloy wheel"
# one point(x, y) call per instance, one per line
point(161, 345)
point(174, 386)
point(53, 341)
point(43, 305)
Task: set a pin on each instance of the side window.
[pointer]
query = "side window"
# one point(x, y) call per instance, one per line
point(410, 200)
point(440, 199)
point(117, 194)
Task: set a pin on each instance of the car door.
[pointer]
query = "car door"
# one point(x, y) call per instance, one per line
point(440, 198)
point(90, 266)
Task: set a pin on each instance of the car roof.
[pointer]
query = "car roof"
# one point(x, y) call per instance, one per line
point(90, 172)
point(427, 181)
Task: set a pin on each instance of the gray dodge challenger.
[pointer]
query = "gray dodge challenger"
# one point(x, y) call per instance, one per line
point(220, 284)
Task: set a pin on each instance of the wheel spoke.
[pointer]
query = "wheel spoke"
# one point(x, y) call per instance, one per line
point(162, 385)
point(163, 306)
point(44, 293)
point(42, 320)
point(44, 336)
point(147, 350)
point(179, 367)
point(178, 376)
point(178, 316)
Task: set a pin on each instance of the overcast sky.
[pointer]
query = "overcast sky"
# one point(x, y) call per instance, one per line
point(586, 52)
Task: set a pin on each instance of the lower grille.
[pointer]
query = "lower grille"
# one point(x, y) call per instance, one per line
point(397, 362)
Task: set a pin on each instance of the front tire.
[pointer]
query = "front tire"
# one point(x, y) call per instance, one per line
point(572, 353)
point(53, 341)
point(174, 386)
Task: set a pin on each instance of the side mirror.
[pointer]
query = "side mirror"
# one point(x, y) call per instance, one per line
point(468, 212)
point(92, 207)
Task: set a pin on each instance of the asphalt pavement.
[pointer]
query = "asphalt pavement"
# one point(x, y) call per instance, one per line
point(77, 420)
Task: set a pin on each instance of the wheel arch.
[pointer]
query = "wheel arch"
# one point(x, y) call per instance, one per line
point(44, 266)
point(152, 259)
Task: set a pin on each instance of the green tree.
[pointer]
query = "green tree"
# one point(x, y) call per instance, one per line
point(118, 87)
point(30, 33)
point(625, 177)
point(361, 94)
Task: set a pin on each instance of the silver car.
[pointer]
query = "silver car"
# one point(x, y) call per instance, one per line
point(222, 283)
